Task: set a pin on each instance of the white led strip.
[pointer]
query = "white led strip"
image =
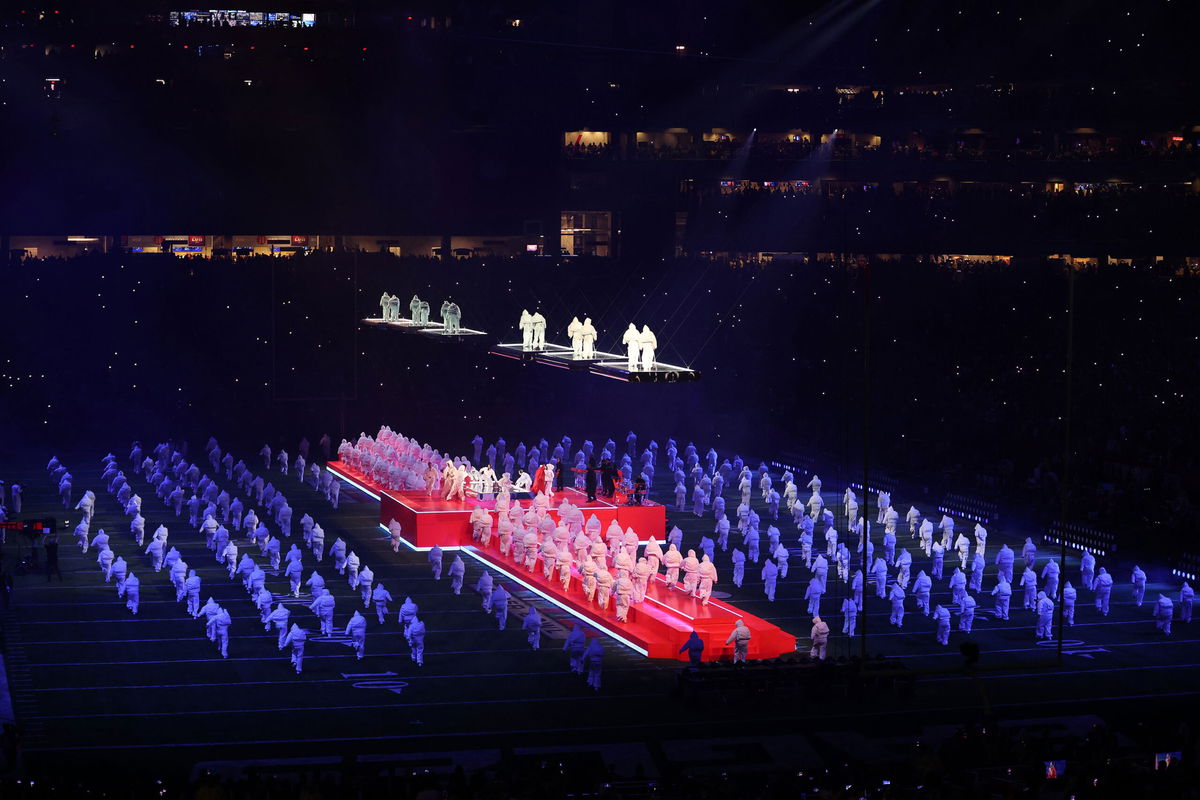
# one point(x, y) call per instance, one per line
point(542, 594)
point(355, 484)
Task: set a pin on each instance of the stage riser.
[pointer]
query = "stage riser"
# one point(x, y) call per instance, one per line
point(658, 627)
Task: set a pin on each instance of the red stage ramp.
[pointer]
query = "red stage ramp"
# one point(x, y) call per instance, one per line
point(657, 627)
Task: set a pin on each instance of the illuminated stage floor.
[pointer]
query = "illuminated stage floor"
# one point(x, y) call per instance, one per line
point(657, 627)
point(552, 355)
point(607, 365)
point(437, 329)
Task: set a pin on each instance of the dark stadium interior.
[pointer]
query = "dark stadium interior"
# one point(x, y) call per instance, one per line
point(952, 245)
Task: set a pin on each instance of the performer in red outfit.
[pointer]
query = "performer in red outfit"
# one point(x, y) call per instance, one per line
point(539, 480)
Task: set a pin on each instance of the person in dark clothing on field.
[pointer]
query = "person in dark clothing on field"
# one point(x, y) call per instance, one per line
point(5, 585)
point(694, 647)
point(639, 491)
point(52, 558)
point(608, 477)
point(589, 481)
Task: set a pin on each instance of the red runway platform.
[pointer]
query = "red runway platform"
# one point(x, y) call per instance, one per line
point(657, 627)
point(427, 521)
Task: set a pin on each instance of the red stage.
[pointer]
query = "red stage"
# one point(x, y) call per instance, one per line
point(427, 521)
point(657, 627)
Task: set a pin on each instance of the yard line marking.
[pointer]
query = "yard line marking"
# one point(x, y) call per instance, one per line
point(205, 711)
point(314, 680)
point(275, 658)
point(572, 731)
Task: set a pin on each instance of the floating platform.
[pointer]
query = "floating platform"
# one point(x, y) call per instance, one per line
point(552, 355)
point(404, 323)
point(437, 329)
point(659, 372)
point(607, 365)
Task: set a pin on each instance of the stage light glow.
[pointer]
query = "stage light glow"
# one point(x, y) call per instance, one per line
point(414, 548)
point(587, 620)
point(353, 483)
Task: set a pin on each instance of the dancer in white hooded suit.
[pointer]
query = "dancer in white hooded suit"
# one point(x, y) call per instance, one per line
point(633, 346)
point(575, 334)
point(296, 637)
point(538, 323)
point(356, 629)
point(588, 336)
point(279, 618)
point(526, 326)
point(649, 344)
point(452, 318)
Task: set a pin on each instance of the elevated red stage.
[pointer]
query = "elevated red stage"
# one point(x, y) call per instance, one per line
point(657, 627)
point(427, 521)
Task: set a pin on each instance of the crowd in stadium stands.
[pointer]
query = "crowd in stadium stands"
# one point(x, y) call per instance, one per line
point(798, 147)
point(1072, 194)
point(981, 760)
point(991, 216)
point(586, 150)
